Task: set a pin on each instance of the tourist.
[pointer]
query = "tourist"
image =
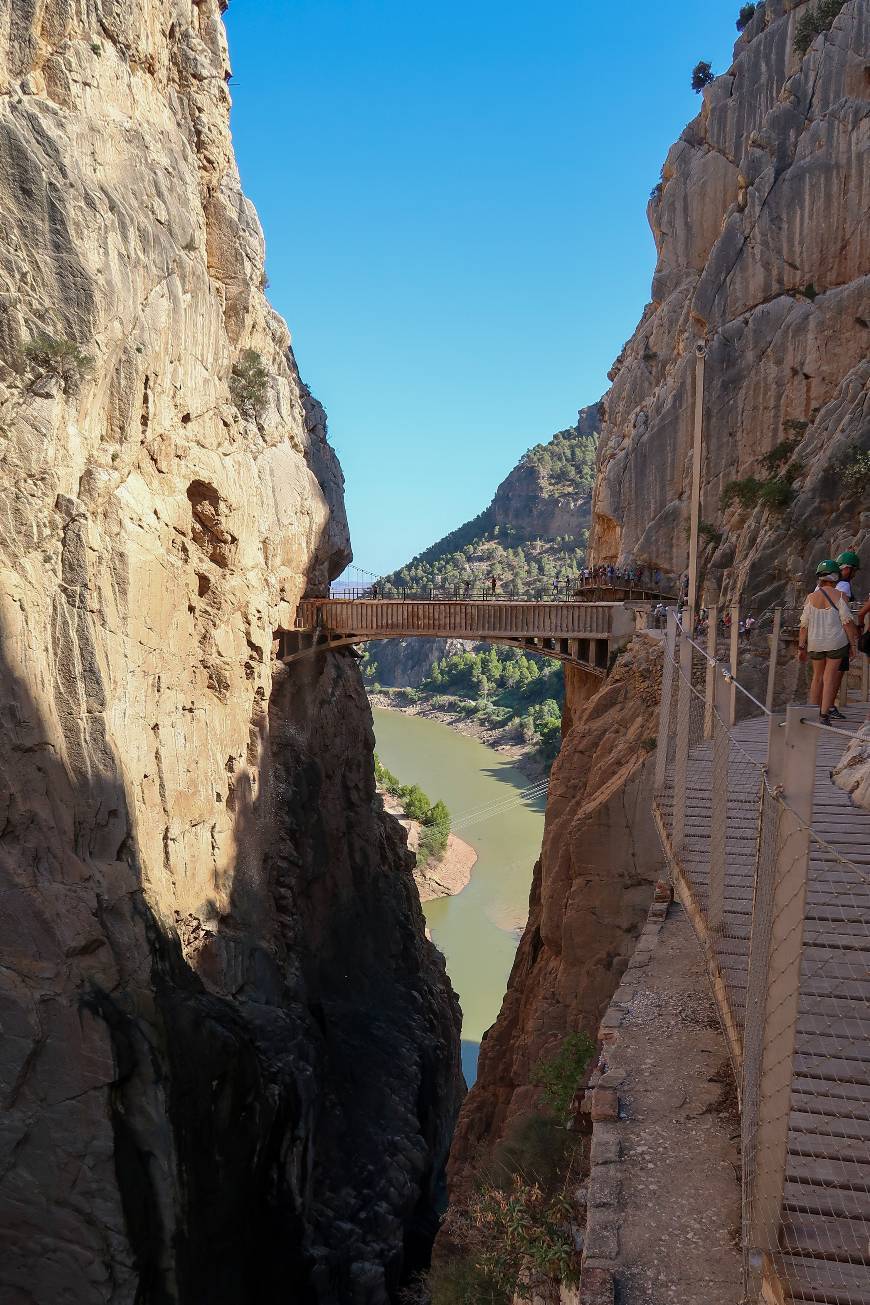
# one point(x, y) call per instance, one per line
point(827, 632)
point(492, 584)
point(848, 563)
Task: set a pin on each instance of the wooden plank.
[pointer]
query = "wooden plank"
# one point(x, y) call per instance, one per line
point(825, 1236)
point(835, 1283)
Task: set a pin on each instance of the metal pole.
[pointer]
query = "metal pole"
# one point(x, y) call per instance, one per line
point(710, 682)
point(665, 704)
point(719, 801)
point(695, 515)
point(774, 653)
point(734, 651)
point(681, 758)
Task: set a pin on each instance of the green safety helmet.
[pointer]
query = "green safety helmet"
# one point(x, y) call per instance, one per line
point(849, 559)
point(828, 567)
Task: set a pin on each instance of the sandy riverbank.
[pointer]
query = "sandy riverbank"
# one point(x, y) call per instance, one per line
point(444, 878)
point(493, 736)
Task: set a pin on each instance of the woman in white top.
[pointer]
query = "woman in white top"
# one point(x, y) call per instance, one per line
point(827, 632)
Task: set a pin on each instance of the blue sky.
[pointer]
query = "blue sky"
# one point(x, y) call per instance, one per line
point(454, 201)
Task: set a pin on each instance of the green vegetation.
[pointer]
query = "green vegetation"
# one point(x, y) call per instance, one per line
point(566, 462)
point(504, 687)
point(249, 384)
point(814, 21)
point(702, 75)
point(744, 18)
point(433, 817)
point(51, 356)
point(776, 491)
point(853, 470)
point(559, 1076)
point(513, 1236)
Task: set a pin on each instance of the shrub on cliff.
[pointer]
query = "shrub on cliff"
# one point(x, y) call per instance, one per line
point(814, 21)
point(50, 356)
point(745, 17)
point(702, 75)
point(560, 1075)
point(249, 384)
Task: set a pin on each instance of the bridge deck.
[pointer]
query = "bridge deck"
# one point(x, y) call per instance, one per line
point(825, 1240)
point(572, 631)
point(460, 618)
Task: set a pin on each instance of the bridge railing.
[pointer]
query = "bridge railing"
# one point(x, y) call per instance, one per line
point(781, 906)
point(573, 590)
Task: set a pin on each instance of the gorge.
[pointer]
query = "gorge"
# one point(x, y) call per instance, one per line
point(231, 1063)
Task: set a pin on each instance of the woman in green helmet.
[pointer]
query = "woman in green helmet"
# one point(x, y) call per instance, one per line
point(848, 563)
point(827, 632)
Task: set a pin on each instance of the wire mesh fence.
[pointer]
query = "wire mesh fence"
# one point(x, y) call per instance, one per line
point(773, 867)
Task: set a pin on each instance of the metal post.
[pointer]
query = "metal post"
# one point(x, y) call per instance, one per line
point(719, 800)
point(681, 758)
point(665, 704)
point(710, 682)
point(776, 945)
point(734, 652)
point(774, 653)
point(695, 511)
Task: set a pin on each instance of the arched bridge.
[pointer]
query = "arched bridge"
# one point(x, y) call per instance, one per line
point(571, 631)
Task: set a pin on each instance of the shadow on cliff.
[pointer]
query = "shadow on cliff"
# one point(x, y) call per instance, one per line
point(286, 1075)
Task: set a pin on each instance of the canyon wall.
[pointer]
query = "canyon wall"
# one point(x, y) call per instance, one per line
point(763, 243)
point(591, 890)
point(229, 1064)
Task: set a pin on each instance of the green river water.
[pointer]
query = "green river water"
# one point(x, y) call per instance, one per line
point(478, 929)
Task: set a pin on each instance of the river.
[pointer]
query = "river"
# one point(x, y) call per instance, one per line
point(478, 929)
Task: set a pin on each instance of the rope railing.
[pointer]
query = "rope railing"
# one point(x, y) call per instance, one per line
point(772, 864)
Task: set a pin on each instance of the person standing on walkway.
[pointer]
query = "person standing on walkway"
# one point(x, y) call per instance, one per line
point(827, 632)
point(848, 563)
point(492, 584)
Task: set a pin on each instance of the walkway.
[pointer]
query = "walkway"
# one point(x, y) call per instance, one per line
point(584, 633)
point(824, 1242)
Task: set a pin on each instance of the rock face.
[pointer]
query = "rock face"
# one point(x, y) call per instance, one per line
point(590, 894)
point(229, 1062)
point(763, 247)
point(538, 505)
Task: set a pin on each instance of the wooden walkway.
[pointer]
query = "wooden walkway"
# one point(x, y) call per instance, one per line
point(825, 1239)
point(579, 632)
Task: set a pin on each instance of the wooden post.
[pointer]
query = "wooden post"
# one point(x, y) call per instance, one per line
point(776, 946)
point(682, 732)
point(734, 653)
point(695, 509)
point(719, 801)
point(665, 704)
point(710, 682)
point(774, 653)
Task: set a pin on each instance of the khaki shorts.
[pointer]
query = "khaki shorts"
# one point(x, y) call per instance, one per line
point(835, 655)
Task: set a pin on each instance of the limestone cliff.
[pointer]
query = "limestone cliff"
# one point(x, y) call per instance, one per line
point(763, 239)
point(229, 1061)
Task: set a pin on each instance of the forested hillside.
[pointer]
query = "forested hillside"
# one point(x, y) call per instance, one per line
point(534, 530)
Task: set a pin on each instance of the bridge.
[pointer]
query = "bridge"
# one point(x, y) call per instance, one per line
point(585, 634)
point(772, 862)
